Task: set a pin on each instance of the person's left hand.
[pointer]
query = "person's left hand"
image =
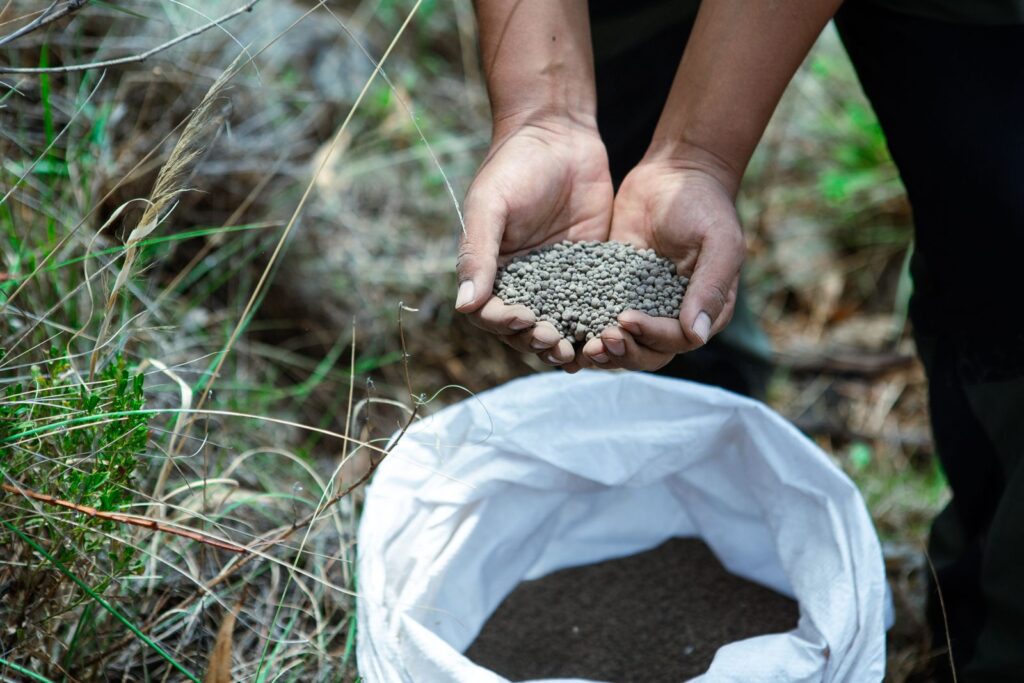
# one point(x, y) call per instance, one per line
point(686, 214)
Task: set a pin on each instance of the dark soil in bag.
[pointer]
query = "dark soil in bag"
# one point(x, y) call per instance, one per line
point(654, 617)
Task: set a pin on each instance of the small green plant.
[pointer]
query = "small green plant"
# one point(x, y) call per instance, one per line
point(859, 170)
point(67, 439)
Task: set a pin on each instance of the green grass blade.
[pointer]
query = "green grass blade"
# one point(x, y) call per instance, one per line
point(102, 603)
point(350, 643)
point(25, 672)
point(84, 621)
point(265, 670)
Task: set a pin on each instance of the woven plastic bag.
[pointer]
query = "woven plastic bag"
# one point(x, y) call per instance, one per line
point(558, 470)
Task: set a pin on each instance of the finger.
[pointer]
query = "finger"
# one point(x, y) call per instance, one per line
point(478, 251)
point(705, 308)
point(664, 335)
point(594, 354)
point(561, 354)
point(634, 356)
point(613, 340)
point(604, 350)
point(572, 367)
point(498, 318)
point(616, 348)
point(728, 311)
point(538, 339)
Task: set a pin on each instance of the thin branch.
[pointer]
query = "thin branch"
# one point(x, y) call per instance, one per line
point(131, 59)
point(48, 16)
point(121, 518)
point(945, 618)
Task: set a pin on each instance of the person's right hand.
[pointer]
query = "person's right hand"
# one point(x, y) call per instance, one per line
point(543, 182)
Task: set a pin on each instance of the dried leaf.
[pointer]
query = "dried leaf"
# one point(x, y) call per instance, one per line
point(219, 668)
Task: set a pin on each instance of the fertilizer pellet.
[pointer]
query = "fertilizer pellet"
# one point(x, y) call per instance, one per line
point(657, 616)
point(582, 287)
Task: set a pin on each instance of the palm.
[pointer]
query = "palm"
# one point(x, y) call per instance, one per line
point(671, 213)
point(549, 187)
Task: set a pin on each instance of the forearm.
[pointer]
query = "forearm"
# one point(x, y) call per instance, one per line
point(737, 63)
point(537, 59)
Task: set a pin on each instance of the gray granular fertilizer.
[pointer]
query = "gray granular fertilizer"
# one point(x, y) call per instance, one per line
point(582, 287)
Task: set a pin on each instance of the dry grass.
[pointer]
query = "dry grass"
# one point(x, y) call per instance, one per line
point(99, 275)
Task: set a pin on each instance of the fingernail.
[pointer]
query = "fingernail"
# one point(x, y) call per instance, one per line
point(616, 347)
point(518, 325)
point(466, 292)
point(601, 358)
point(551, 358)
point(702, 326)
point(632, 328)
point(539, 344)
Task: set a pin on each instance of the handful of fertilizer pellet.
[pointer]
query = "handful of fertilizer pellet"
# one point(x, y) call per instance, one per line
point(582, 287)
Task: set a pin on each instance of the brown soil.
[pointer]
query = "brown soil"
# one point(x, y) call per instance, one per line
point(656, 616)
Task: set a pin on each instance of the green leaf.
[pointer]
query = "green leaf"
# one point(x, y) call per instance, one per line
point(860, 455)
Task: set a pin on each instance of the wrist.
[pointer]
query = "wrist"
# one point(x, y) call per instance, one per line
point(550, 118)
point(680, 155)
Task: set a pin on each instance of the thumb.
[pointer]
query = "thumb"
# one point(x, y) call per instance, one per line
point(711, 294)
point(478, 254)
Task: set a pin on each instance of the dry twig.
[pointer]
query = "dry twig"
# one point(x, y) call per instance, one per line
point(121, 518)
point(48, 16)
point(132, 59)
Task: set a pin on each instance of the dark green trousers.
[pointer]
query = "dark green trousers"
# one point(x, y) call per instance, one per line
point(950, 98)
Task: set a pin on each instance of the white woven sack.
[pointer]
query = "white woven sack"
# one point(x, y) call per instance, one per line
point(561, 470)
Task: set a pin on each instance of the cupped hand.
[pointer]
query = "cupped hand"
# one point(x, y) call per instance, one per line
point(541, 183)
point(685, 214)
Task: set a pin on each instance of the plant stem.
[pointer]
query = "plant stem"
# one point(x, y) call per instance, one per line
point(101, 602)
